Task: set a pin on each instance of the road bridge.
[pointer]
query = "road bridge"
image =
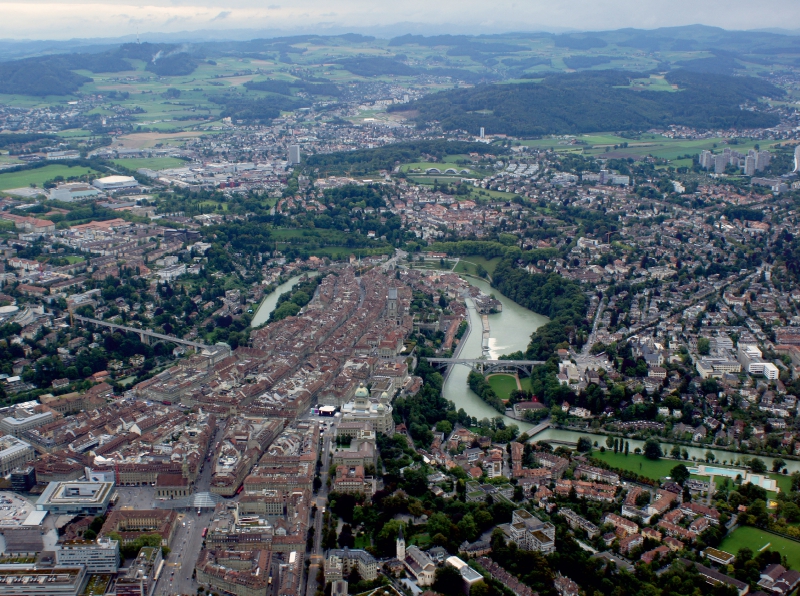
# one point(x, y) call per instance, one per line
point(485, 366)
point(144, 334)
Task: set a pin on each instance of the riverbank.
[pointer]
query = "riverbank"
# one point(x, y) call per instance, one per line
point(510, 331)
point(270, 301)
point(696, 454)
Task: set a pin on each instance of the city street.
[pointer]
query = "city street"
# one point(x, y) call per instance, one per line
point(176, 577)
point(317, 556)
point(177, 574)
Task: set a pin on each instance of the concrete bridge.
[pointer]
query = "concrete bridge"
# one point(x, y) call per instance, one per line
point(486, 367)
point(144, 334)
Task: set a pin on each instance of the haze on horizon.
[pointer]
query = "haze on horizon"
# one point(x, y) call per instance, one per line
point(70, 19)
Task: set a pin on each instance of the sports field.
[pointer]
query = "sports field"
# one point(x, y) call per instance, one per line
point(39, 176)
point(503, 385)
point(756, 540)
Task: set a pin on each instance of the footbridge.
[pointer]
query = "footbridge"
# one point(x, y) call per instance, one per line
point(144, 334)
point(486, 367)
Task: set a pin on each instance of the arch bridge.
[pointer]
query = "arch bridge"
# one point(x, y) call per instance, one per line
point(486, 367)
point(145, 335)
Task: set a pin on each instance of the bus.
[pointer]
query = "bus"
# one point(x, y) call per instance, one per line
point(158, 571)
point(239, 490)
point(205, 531)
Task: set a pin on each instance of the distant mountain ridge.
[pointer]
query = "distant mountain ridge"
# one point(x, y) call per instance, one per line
point(60, 68)
point(593, 101)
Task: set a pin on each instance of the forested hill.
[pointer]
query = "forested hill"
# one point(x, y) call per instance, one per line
point(53, 74)
point(596, 101)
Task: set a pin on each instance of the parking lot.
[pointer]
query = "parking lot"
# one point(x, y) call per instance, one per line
point(14, 509)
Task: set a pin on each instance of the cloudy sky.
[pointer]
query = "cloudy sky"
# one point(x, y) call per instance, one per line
point(67, 19)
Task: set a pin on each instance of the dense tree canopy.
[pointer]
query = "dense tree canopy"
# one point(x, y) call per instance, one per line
point(594, 101)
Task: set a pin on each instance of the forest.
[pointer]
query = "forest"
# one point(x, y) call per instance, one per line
point(290, 87)
point(53, 74)
point(594, 101)
point(261, 110)
point(365, 161)
point(560, 299)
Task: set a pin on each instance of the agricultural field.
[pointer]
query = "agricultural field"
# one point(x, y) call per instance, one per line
point(503, 385)
point(39, 176)
point(610, 145)
point(152, 163)
point(74, 133)
point(756, 540)
point(5, 159)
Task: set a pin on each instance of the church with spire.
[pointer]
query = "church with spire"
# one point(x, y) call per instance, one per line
point(417, 562)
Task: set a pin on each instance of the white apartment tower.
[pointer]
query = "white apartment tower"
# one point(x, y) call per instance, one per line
point(294, 155)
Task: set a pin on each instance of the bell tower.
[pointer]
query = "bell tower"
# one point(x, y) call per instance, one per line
point(401, 546)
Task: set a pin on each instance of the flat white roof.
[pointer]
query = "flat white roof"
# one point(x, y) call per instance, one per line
point(113, 179)
point(35, 518)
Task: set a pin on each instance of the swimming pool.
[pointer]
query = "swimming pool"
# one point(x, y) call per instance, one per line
point(704, 470)
point(761, 480)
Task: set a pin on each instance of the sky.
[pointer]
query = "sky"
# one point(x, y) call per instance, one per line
point(70, 19)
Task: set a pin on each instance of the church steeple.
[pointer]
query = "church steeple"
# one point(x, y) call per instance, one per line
point(401, 545)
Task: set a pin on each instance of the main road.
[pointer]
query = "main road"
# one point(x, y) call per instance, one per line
point(177, 576)
point(316, 557)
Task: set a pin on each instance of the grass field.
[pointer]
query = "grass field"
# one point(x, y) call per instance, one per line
point(755, 539)
point(152, 163)
point(503, 385)
point(422, 166)
point(662, 467)
point(646, 144)
point(39, 176)
point(638, 464)
point(470, 265)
